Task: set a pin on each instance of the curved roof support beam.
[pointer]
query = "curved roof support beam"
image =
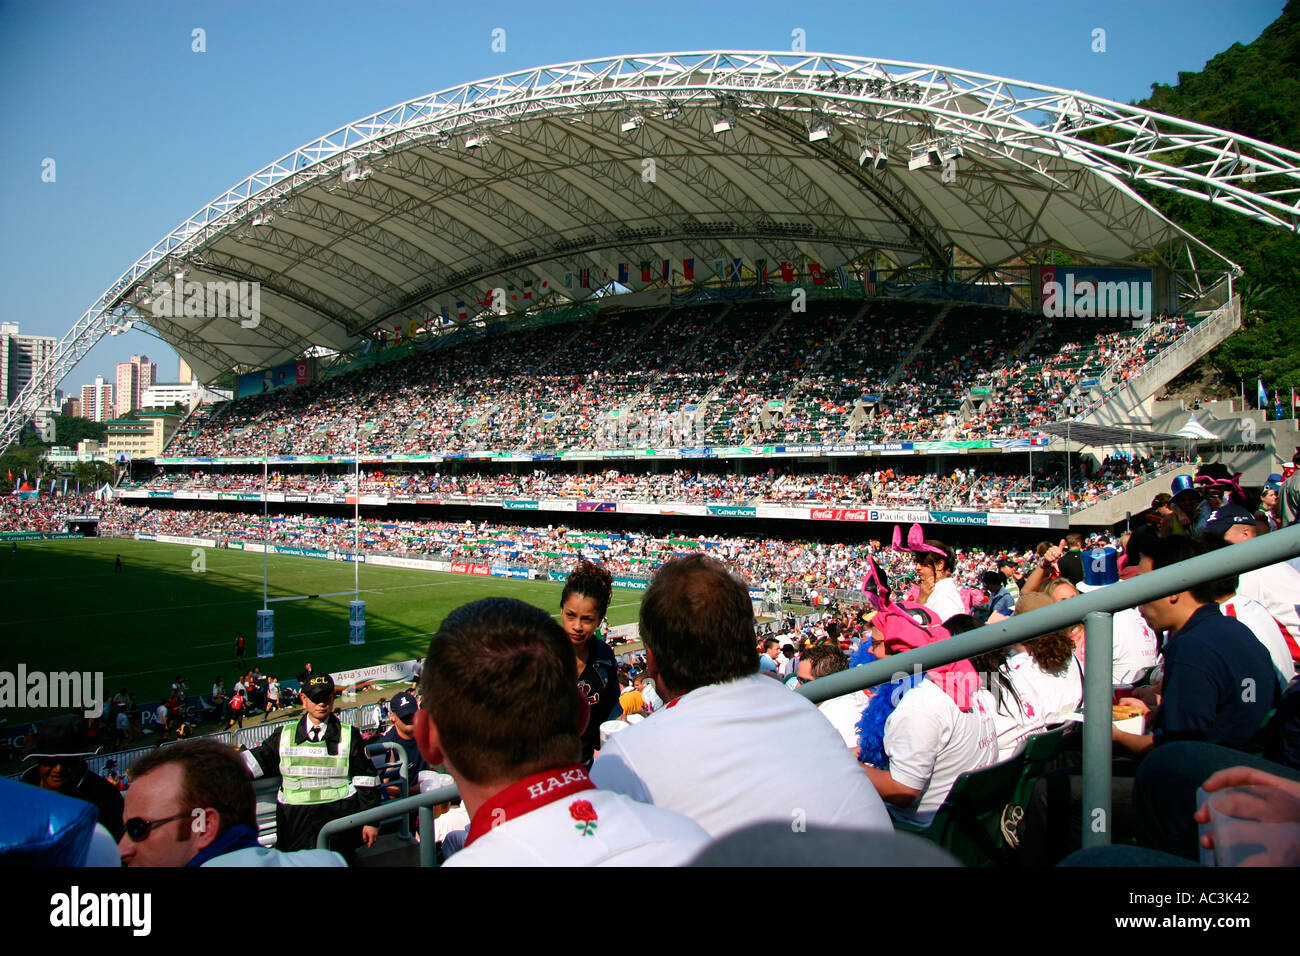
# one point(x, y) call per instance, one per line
point(378, 252)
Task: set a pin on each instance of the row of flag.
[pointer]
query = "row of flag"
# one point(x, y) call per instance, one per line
point(624, 273)
point(53, 489)
point(1261, 401)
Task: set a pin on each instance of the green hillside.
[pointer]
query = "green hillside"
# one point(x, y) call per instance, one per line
point(1253, 90)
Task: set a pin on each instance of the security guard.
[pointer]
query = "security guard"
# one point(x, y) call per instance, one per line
point(325, 773)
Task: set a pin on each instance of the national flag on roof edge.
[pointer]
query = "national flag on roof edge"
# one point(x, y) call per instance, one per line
point(815, 270)
point(584, 278)
point(787, 272)
point(645, 270)
point(622, 273)
point(843, 277)
point(1262, 403)
point(568, 280)
point(760, 270)
point(462, 311)
point(545, 286)
point(528, 288)
point(872, 278)
point(735, 270)
point(719, 268)
point(688, 269)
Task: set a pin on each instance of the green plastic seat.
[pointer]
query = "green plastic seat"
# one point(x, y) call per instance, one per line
point(969, 824)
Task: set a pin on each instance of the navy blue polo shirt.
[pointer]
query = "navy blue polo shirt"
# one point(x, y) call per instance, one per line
point(1219, 682)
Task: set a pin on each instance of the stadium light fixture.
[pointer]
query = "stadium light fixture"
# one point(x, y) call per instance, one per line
point(722, 122)
point(918, 161)
point(477, 140)
point(631, 122)
point(819, 130)
point(263, 220)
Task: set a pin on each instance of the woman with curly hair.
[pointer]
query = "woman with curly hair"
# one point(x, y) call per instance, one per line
point(583, 605)
point(1045, 672)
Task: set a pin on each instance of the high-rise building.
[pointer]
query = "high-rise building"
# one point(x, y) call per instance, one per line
point(185, 374)
point(133, 377)
point(97, 400)
point(20, 357)
point(72, 407)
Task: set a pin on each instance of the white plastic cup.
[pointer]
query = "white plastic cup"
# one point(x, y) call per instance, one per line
point(430, 780)
point(1255, 826)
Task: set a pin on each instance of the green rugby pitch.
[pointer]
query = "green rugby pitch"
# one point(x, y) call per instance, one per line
point(65, 608)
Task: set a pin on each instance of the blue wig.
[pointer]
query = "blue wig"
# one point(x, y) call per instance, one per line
point(871, 725)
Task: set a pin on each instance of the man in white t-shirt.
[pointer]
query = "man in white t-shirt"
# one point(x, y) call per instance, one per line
point(1266, 600)
point(843, 712)
point(1134, 647)
point(731, 747)
point(499, 708)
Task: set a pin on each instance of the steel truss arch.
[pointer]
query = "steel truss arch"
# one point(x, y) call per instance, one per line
point(378, 217)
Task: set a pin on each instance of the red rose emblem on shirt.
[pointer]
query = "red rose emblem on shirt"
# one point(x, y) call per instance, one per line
point(585, 814)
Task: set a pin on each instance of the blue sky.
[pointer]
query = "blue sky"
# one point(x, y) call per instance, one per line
point(144, 131)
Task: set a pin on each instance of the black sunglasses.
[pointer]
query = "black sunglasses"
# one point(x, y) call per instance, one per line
point(137, 829)
point(58, 761)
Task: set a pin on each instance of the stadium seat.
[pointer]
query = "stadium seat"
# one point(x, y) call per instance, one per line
point(969, 824)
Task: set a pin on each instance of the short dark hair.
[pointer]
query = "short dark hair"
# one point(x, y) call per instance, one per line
point(961, 623)
point(500, 681)
point(825, 659)
point(1218, 587)
point(590, 581)
point(215, 776)
point(1175, 549)
point(697, 620)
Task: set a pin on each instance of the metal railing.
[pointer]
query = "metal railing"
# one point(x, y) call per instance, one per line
point(1225, 314)
point(1095, 609)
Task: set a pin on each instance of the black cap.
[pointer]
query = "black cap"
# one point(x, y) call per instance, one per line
point(60, 737)
point(404, 705)
point(1227, 516)
point(319, 688)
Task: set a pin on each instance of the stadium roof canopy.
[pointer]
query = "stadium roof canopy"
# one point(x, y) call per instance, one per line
point(539, 175)
point(1101, 436)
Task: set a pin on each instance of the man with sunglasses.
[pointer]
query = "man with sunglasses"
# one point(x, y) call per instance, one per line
point(192, 804)
point(843, 712)
point(61, 767)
